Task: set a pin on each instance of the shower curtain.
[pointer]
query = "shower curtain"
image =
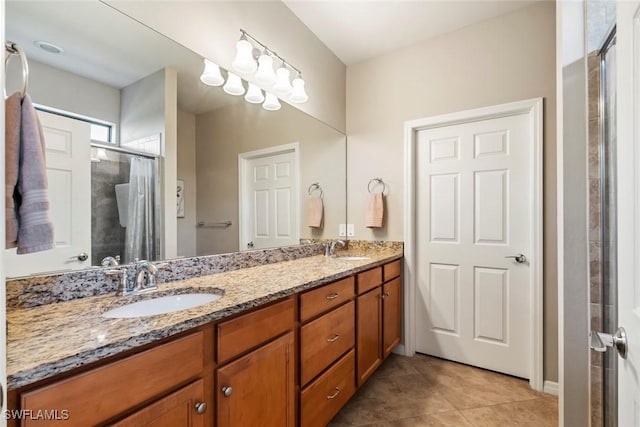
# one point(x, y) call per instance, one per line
point(140, 236)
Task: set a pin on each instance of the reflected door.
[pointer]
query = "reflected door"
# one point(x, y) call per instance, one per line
point(269, 199)
point(68, 154)
point(474, 192)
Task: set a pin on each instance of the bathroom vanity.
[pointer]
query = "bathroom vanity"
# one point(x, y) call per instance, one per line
point(287, 345)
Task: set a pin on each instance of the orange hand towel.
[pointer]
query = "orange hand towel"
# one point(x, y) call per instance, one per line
point(315, 212)
point(375, 211)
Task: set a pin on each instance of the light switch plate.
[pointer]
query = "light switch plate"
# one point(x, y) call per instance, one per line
point(342, 230)
point(351, 230)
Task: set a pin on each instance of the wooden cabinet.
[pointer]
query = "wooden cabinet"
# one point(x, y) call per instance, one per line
point(369, 333)
point(95, 396)
point(258, 389)
point(183, 408)
point(391, 315)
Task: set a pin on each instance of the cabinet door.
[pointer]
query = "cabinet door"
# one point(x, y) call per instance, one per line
point(369, 333)
point(181, 408)
point(391, 312)
point(258, 389)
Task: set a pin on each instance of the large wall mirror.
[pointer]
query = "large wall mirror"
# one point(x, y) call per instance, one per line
point(145, 161)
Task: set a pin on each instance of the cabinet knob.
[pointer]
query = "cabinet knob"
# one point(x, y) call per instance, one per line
point(386, 294)
point(201, 407)
point(227, 391)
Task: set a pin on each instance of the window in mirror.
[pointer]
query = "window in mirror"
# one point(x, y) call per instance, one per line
point(101, 131)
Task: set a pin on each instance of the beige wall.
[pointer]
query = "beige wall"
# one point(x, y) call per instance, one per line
point(228, 131)
point(508, 58)
point(214, 28)
point(187, 173)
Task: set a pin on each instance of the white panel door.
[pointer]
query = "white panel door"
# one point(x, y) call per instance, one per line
point(628, 187)
point(473, 211)
point(270, 202)
point(68, 156)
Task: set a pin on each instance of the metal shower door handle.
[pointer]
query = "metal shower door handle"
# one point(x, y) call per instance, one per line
point(520, 258)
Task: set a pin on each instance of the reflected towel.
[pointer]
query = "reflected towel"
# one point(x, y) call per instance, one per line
point(315, 212)
point(375, 211)
point(36, 229)
point(12, 167)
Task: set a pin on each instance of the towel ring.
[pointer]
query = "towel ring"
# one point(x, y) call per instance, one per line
point(376, 182)
point(315, 187)
point(14, 49)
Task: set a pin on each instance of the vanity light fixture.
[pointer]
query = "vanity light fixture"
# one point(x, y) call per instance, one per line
point(234, 85)
point(278, 82)
point(271, 102)
point(254, 94)
point(211, 75)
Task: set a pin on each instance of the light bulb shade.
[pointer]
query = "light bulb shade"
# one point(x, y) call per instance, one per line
point(211, 75)
point(298, 94)
point(244, 62)
point(265, 75)
point(271, 102)
point(233, 86)
point(254, 94)
point(283, 85)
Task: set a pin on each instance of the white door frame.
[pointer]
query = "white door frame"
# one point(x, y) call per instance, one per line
point(532, 107)
point(243, 161)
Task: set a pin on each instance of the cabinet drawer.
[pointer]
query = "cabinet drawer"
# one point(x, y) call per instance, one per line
point(322, 299)
point(369, 279)
point(325, 339)
point(98, 395)
point(391, 270)
point(324, 397)
point(238, 335)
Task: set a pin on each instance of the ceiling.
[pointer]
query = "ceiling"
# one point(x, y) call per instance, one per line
point(357, 30)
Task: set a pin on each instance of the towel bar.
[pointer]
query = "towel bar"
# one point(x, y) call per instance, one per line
point(202, 224)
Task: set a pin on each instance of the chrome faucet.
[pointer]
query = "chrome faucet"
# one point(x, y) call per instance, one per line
point(110, 261)
point(330, 248)
point(145, 277)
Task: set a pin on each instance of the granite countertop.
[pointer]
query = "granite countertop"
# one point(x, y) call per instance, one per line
point(54, 338)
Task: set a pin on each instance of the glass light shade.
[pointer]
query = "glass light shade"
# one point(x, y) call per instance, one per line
point(271, 102)
point(298, 94)
point(211, 75)
point(244, 62)
point(265, 74)
point(254, 94)
point(283, 85)
point(233, 86)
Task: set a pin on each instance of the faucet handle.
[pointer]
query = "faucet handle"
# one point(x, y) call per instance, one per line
point(120, 273)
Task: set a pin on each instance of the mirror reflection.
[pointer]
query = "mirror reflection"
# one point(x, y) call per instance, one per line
point(145, 161)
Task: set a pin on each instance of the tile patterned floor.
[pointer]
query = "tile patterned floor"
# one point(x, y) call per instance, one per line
point(427, 391)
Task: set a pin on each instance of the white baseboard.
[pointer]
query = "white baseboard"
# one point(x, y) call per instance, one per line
point(400, 349)
point(551, 387)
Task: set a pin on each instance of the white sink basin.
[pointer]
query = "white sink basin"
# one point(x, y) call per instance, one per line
point(160, 305)
point(353, 258)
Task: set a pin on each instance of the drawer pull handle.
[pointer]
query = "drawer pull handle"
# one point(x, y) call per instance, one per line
point(201, 407)
point(227, 391)
point(386, 294)
point(334, 338)
point(331, 296)
point(334, 395)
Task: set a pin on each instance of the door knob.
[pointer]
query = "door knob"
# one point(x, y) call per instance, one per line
point(201, 407)
point(520, 258)
point(600, 342)
point(227, 391)
point(82, 257)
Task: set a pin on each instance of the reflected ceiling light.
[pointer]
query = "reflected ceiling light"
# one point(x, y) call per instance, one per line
point(234, 85)
point(48, 47)
point(254, 94)
point(265, 75)
point(271, 102)
point(244, 62)
point(298, 94)
point(211, 75)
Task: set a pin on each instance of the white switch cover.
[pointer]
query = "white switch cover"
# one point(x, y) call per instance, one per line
point(351, 230)
point(342, 230)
